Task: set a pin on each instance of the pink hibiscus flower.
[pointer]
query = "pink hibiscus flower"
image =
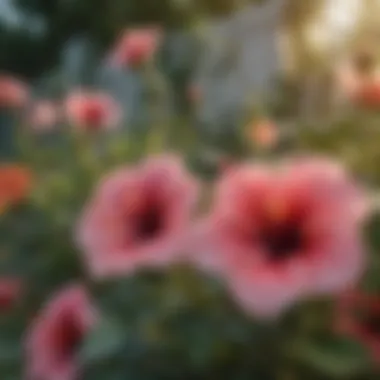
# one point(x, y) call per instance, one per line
point(136, 47)
point(280, 234)
point(56, 335)
point(138, 217)
point(92, 111)
point(358, 316)
point(13, 93)
point(10, 289)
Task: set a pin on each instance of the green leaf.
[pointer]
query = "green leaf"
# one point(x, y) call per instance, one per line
point(339, 357)
point(10, 351)
point(373, 232)
point(103, 342)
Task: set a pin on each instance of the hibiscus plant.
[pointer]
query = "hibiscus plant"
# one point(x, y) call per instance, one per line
point(119, 261)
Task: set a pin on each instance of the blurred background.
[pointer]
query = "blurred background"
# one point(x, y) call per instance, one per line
point(218, 61)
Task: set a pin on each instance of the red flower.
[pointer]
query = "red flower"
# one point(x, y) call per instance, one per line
point(136, 47)
point(10, 289)
point(280, 235)
point(15, 185)
point(57, 334)
point(13, 93)
point(138, 216)
point(92, 111)
point(358, 316)
point(263, 133)
point(368, 94)
point(44, 116)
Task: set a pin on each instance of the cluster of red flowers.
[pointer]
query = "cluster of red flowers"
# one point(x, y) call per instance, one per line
point(87, 110)
point(274, 234)
point(84, 110)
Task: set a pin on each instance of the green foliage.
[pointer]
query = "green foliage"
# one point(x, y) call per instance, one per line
point(339, 358)
point(352, 139)
point(176, 324)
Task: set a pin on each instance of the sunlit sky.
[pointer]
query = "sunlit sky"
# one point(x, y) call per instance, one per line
point(342, 14)
point(335, 23)
point(7, 12)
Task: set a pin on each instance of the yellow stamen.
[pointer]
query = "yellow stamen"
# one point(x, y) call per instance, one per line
point(277, 210)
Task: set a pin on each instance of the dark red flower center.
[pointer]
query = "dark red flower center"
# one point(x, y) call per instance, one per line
point(69, 336)
point(282, 240)
point(6, 299)
point(148, 222)
point(371, 323)
point(280, 230)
